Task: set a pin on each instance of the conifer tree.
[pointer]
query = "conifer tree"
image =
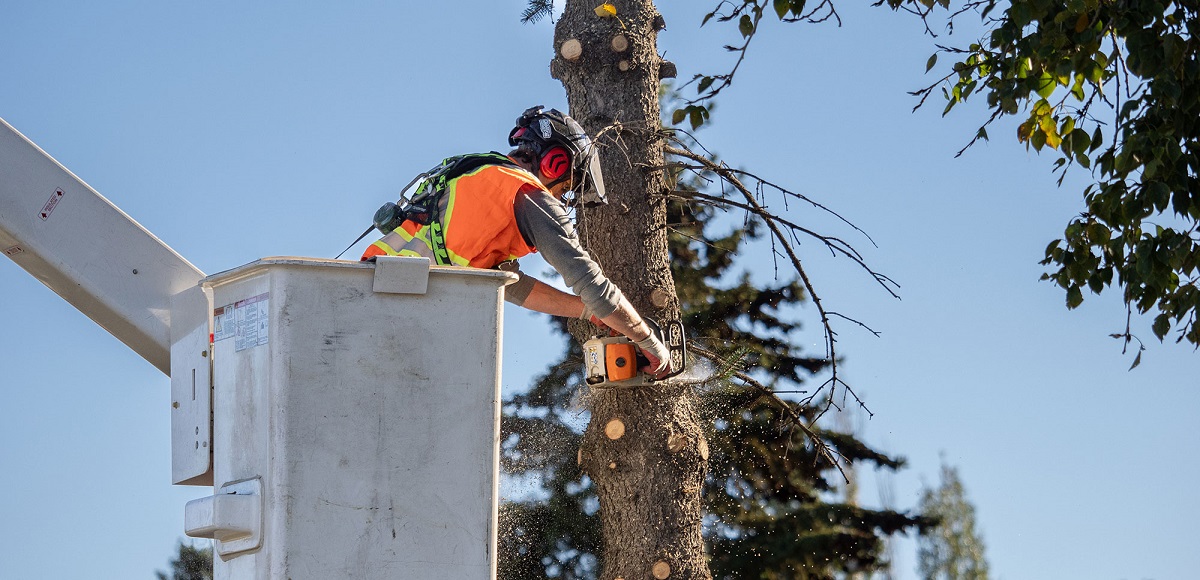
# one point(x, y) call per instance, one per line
point(953, 549)
point(191, 563)
point(769, 512)
point(648, 484)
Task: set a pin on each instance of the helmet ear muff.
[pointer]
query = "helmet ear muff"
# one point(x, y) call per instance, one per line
point(555, 163)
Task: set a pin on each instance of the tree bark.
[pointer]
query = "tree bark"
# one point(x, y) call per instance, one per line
point(648, 484)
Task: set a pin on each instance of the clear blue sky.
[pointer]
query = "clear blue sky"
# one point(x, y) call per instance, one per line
point(238, 130)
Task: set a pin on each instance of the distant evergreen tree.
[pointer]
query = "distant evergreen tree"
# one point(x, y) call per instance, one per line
point(769, 512)
point(190, 564)
point(953, 549)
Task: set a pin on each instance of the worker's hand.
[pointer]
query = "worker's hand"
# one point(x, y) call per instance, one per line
point(591, 317)
point(657, 354)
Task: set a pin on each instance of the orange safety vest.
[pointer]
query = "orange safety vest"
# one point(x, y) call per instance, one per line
point(475, 218)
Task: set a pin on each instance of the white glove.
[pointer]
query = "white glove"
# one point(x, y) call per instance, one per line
point(660, 358)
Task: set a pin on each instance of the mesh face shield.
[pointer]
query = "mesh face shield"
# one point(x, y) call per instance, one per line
point(589, 180)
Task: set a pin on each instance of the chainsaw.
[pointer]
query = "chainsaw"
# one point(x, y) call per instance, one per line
point(615, 361)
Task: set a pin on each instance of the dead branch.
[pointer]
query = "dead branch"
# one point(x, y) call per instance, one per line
point(781, 240)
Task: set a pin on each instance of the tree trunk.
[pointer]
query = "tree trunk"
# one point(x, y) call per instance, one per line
point(649, 474)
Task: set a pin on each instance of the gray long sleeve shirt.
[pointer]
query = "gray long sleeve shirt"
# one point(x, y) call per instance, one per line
point(544, 223)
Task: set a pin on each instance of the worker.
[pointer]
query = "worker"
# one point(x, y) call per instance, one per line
point(496, 208)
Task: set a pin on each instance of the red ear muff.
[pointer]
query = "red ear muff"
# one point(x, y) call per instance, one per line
point(555, 163)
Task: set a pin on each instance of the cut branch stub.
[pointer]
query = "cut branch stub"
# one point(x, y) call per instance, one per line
point(620, 43)
point(660, 298)
point(667, 70)
point(661, 570)
point(624, 65)
point(579, 457)
point(571, 49)
point(614, 429)
point(702, 446)
point(677, 442)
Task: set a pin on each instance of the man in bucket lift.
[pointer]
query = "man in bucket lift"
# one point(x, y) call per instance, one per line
point(492, 209)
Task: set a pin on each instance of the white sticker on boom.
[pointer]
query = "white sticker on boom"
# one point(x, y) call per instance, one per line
point(51, 204)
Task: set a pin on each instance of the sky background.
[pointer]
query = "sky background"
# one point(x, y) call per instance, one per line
point(238, 130)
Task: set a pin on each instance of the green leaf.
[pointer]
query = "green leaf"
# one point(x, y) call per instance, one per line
point(932, 61)
point(1137, 360)
point(1128, 108)
point(1158, 194)
point(1098, 233)
point(1051, 130)
point(1046, 85)
point(1162, 325)
point(704, 84)
point(1038, 139)
point(1074, 297)
point(707, 17)
point(1020, 14)
point(746, 26)
point(782, 7)
point(678, 116)
point(1077, 88)
point(1080, 142)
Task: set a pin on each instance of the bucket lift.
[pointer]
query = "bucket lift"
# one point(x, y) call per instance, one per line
point(345, 414)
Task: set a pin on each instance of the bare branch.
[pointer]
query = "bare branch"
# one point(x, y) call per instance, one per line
point(780, 241)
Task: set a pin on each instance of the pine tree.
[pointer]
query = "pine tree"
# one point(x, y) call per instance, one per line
point(768, 489)
point(647, 487)
point(953, 550)
point(191, 563)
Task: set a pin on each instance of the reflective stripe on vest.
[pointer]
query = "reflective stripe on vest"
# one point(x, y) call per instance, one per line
point(476, 218)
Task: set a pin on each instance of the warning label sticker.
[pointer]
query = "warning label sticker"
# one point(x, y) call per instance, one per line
point(247, 322)
point(51, 204)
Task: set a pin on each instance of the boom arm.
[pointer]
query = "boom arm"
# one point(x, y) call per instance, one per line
point(88, 251)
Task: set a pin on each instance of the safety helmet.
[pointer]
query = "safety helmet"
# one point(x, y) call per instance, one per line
point(556, 142)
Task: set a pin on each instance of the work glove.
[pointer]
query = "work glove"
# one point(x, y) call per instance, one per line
point(658, 356)
point(591, 317)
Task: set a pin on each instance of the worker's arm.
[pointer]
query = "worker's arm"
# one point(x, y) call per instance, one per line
point(544, 224)
point(625, 320)
point(545, 298)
